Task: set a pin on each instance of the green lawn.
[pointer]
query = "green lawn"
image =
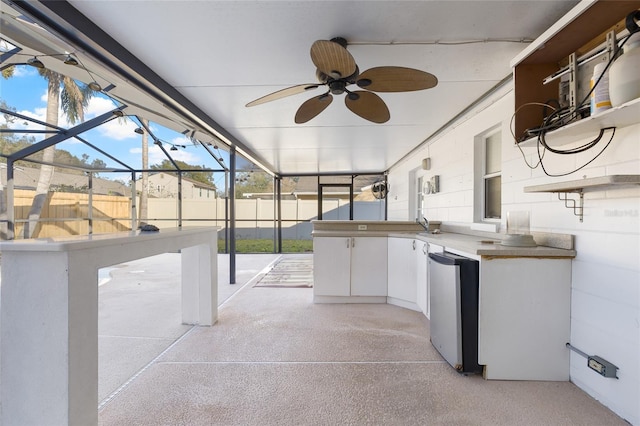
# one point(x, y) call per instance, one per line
point(266, 246)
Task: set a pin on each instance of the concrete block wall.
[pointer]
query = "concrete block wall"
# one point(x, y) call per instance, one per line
point(605, 307)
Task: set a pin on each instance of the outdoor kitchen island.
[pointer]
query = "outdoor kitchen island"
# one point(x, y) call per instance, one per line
point(50, 315)
point(524, 292)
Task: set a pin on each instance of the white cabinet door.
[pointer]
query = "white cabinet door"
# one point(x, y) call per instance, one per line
point(525, 318)
point(422, 257)
point(369, 266)
point(402, 269)
point(332, 266)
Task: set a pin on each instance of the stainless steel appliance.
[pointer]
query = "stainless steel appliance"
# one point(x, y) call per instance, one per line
point(453, 282)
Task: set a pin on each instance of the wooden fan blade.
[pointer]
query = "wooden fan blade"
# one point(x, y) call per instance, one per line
point(313, 107)
point(332, 59)
point(367, 105)
point(293, 90)
point(396, 79)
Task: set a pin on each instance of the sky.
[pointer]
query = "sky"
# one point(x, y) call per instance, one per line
point(26, 91)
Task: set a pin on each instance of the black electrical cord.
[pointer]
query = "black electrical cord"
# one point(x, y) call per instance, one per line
point(551, 123)
point(563, 116)
point(540, 155)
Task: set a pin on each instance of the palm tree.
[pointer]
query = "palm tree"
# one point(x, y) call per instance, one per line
point(143, 216)
point(61, 91)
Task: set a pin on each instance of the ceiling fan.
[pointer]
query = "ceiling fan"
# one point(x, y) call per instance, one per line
point(337, 69)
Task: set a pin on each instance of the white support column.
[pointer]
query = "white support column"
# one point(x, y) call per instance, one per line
point(199, 296)
point(49, 340)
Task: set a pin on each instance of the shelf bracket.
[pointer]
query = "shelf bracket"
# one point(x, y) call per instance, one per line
point(570, 203)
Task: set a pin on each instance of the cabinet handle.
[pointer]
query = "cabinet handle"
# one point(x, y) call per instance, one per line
point(414, 244)
point(348, 242)
point(424, 248)
point(353, 242)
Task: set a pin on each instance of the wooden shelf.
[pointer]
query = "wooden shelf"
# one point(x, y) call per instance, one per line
point(581, 185)
point(587, 22)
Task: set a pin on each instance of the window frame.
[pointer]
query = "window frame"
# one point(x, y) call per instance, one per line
point(481, 177)
point(487, 176)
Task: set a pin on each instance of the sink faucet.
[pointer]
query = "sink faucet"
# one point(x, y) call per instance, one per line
point(424, 223)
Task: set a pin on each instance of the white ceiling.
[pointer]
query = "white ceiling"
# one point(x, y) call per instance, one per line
point(222, 54)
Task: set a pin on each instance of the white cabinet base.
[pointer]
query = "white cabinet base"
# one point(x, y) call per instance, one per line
point(403, 304)
point(350, 268)
point(524, 320)
point(349, 299)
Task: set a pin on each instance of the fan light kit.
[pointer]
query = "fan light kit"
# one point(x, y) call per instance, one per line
point(337, 69)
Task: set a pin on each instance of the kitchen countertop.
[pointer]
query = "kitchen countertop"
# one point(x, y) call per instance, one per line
point(487, 247)
point(467, 243)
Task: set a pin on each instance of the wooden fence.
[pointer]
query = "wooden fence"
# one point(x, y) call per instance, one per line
point(66, 213)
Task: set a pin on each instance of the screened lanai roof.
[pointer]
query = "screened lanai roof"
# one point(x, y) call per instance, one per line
point(193, 65)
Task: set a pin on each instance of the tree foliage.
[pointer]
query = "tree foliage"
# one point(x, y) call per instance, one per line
point(202, 177)
point(253, 182)
point(14, 142)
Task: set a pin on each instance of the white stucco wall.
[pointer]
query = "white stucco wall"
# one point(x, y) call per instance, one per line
point(605, 307)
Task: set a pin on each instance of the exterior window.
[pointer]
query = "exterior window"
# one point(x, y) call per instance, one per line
point(492, 176)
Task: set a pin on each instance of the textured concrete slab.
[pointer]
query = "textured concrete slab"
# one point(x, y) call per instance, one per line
point(344, 394)
point(119, 358)
point(275, 358)
point(271, 324)
point(140, 311)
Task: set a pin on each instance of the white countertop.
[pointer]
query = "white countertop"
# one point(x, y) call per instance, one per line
point(471, 244)
point(79, 242)
point(487, 247)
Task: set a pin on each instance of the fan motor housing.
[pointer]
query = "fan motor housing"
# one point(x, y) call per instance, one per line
point(337, 87)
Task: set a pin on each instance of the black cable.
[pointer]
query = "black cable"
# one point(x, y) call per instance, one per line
point(571, 114)
point(563, 116)
point(585, 164)
point(549, 125)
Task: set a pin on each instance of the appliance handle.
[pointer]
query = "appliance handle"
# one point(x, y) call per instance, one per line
point(446, 258)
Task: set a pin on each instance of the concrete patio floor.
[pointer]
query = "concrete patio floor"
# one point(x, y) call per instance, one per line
point(140, 311)
point(276, 358)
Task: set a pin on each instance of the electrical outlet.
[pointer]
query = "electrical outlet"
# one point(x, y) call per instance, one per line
point(602, 366)
point(435, 184)
point(362, 227)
